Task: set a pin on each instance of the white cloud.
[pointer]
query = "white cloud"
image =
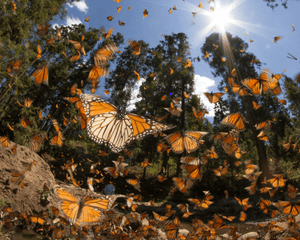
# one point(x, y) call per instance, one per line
point(71, 21)
point(202, 84)
point(81, 5)
point(134, 95)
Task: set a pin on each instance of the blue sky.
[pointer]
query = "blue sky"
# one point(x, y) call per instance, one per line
point(251, 17)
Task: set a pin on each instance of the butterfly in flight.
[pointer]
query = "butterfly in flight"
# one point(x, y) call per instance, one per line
point(111, 125)
point(189, 141)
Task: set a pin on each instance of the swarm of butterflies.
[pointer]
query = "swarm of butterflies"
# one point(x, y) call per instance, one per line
point(90, 216)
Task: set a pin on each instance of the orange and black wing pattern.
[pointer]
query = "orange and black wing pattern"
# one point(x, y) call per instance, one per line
point(235, 120)
point(213, 97)
point(82, 212)
point(40, 75)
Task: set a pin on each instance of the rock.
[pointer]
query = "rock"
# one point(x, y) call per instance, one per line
point(283, 225)
point(249, 235)
point(183, 232)
point(29, 198)
point(160, 234)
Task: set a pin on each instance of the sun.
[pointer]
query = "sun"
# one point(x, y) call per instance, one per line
point(220, 17)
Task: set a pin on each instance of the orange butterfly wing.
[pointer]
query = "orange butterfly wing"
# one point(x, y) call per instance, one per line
point(40, 75)
point(235, 120)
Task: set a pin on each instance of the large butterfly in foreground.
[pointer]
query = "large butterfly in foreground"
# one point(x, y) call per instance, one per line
point(82, 211)
point(111, 125)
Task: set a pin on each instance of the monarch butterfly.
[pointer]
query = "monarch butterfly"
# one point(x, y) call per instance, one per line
point(211, 153)
point(291, 57)
point(272, 192)
point(19, 177)
point(235, 120)
point(161, 178)
point(83, 118)
point(220, 171)
point(264, 204)
point(171, 231)
point(292, 191)
point(189, 141)
point(135, 183)
point(243, 203)
point(243, 216)
point(170, 11)
point(138, 75)
point(75, 57)
point(97, 72)
point(252, 188)
point(108, 34)
point(274, 84)
point(25, 123)
point(232, 149)
point(28, 102)
point(152, 75)
point(188, 63)
point(288, 144)
point(40, 75)
point(217, 222)
point(263, 125)
point(161, 118)
point(4, 141)
point(277, 181)
point(109, 18)
point(36, 141)
point(119, 169)
point(255, 105)
point(42, 31)
point(240, 90)
point(87, 19)
point(121, 23)
point(186, 214)
point(57, 140)
point(259, 86)
point(145, 163)
point(174, 110)
point(158, 217)
point(200, 204)
point(253, 176)
point(145, 13)
point(282, 101)
point(213, 97)
point(135, 46)
point(200, 114)
point(119, 8)
point(180, 184)
point(78, 45)
point(208, 195)
point(14, 149)
point(233, 72)
point(250, 168)
point(206, 55)
point(83, 211)
point(14, 66)
point(112, 126)
point(288, 207)
point(277, 38)
point(104, 54)
point(194, 168)
point(39, 51)
point(262, 136)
